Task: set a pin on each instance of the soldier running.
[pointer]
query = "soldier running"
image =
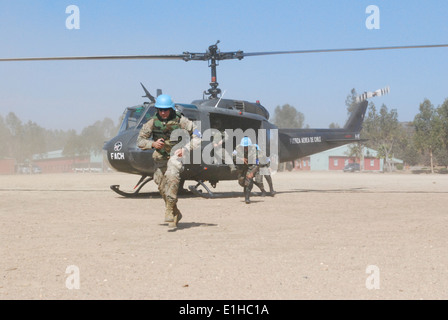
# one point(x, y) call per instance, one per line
point(155, 134)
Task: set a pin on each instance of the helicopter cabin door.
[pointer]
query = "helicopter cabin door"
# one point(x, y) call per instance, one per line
point(248, 125)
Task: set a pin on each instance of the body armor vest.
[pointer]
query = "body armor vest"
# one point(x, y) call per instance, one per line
point(162, 129)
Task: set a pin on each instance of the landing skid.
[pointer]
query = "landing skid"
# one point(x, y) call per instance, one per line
point(208, 194)
point(144, 180)
point(194, 189)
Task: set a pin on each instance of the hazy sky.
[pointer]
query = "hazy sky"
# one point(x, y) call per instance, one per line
point(74, 94)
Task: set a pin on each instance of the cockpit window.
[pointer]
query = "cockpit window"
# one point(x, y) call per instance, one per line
point(135, 117)
point(148, 115)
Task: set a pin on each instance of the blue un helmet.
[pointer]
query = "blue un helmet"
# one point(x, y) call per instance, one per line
point(245, 142)
point(164, 101)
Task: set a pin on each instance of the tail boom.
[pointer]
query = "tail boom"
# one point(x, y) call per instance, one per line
point(298, 143)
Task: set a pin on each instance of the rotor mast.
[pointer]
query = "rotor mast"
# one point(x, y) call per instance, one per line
point(213, 55)
point(213, 91)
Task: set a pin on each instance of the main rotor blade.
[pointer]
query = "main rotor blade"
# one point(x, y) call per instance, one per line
point(187, 56)
point(168, 57)
point(250, 54)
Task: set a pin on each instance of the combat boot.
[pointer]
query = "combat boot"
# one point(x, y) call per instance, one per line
point(261, 187)
point(271, 187)
point(169, 214)
point(247, 195)
point(172, 206)
point(248, 190)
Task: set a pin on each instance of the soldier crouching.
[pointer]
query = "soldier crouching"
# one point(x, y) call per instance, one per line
point(248, 163)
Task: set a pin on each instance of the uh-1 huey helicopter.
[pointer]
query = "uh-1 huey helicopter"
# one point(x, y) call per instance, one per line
point(215, 112)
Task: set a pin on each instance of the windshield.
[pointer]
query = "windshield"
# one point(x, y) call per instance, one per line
point(135, 117)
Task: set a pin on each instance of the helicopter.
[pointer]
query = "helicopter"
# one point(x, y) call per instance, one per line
point(214, 112)
point(224, 114)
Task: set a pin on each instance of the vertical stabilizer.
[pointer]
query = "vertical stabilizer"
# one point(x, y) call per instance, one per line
point(354, 122)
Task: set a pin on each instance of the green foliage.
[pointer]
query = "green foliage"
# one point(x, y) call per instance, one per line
point(73, 145)
point(422, 141)
point(356, 150)
point(334, 125)
point(287, 116)
point(4, 138)
point(428, 127)
point(406, 148)
point(22, 141)
point(428, 130)
point(383, 132)
point(442, 154)
point(350, 101)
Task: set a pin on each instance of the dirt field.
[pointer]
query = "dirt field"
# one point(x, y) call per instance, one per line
point(323, 236)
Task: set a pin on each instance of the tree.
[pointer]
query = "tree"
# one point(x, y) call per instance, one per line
point(350, 101)
point(334, 125)
point(108, 127)
point(34, 140)
point(406, 148)
point(73, 146)
point(287, 116)
point(428, 130)
point(441, 156)
point(91, 139)
point(94, 136)
point(442, 153)
point(23, 141)
point(15, 128)
point(355, 150)
point(56, 139)
point(5, 138)
point(383, 132)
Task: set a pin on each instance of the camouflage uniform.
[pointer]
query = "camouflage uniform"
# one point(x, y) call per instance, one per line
point(167, 166)
point(247, 173)
point(258, 180)
point(268, 178)
point(221, 137)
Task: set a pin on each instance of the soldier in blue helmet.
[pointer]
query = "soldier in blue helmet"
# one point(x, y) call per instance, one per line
point(248, 160)
point(155, 134)
point(258, 180)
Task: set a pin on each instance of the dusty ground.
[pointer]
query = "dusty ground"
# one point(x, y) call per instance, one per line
point(323, 236)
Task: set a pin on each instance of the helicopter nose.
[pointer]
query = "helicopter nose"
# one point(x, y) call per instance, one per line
point(116, 157)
